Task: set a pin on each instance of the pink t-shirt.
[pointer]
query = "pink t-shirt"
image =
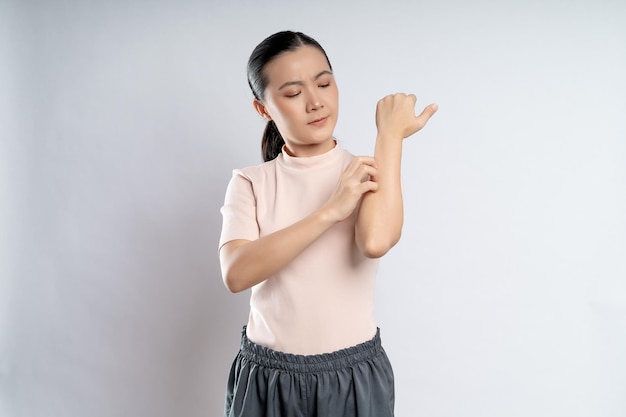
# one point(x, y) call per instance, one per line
point(323, 300)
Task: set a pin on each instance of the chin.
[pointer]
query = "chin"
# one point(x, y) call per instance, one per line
point(324, 136)
point(324, 141)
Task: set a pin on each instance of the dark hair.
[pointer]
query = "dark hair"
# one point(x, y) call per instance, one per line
point(270, 48)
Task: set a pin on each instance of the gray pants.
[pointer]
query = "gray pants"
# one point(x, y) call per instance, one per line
point(352, 382)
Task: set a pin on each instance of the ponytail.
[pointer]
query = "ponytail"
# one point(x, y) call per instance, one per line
point(272, 142)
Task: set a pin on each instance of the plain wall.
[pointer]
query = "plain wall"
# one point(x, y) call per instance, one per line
point(120, 124)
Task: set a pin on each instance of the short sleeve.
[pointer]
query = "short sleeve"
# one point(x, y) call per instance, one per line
point(239, 210)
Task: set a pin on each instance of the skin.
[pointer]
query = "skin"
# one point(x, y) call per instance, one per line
point(300, 92)
point(302, 99)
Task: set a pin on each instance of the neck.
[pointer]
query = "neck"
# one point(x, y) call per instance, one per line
point(303, 151)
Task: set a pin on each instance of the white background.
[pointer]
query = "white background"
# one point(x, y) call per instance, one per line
point(120, 124)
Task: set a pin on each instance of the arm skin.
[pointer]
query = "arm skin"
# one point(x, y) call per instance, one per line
point(373, 182)
point(380, 218)
point(246, 263)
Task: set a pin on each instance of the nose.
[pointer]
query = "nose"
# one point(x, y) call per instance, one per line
point(313, 102)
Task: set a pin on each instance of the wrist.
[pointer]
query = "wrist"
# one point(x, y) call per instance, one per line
point(326, 216)
point(389, 137)
point(387, 144)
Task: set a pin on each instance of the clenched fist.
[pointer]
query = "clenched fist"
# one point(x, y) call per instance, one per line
point(395, 115)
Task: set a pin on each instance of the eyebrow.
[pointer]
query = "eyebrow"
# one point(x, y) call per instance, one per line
point(288, 83)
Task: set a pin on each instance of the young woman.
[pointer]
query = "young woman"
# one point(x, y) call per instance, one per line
point(304, 230)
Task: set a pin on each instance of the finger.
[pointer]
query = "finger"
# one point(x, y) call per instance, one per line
point(352, 167)
point(428, 111)
point(365, 172)
point(357, 162)
point(425, 115)
point(367, 186)
point(366, 160)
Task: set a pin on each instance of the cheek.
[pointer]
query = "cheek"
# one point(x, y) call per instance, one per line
point(333, 96)
point(286, 117)
point(289, 113)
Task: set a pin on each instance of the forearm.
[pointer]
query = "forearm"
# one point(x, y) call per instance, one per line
point(380, 218)
point(379, 223)
point(247, 263)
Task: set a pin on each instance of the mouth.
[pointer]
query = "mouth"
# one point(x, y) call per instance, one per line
point(319, 121)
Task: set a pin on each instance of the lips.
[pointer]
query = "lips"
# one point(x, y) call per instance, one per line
point(319, 121)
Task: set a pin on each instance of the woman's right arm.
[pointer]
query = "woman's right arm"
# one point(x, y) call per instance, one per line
point(245, 263)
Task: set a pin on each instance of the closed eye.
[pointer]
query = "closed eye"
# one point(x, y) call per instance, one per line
point(293, 95)
point(324, 85)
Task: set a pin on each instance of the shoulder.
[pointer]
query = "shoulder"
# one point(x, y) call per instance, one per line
point(256, 172)
point(347, 156)
point(249, 181)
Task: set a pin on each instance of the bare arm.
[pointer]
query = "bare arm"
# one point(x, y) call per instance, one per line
point(380, 219)
point(246, 263)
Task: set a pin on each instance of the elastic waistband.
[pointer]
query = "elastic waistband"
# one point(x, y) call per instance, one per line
point(332, 361)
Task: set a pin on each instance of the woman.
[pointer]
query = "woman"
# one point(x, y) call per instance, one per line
point(304, 231)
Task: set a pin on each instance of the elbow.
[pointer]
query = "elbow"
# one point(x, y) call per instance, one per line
point(232, 282)
point(375, 251)
point(232, 286)
point(375, 240)
point(376, 248)
point(235, 272)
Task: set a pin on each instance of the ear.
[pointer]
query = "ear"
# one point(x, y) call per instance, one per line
point(261, 109)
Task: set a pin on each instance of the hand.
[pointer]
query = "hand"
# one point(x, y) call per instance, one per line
point(395, 115)
point(358, 178)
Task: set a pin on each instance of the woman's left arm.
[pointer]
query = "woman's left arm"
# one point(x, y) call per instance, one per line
point(380, 217)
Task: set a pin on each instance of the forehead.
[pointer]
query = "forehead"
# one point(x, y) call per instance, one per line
point(301, 64)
